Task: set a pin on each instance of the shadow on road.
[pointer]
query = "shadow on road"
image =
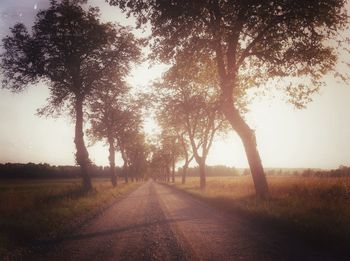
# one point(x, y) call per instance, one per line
point(82, 236)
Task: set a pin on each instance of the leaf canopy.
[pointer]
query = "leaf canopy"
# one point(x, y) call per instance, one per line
point(70, 49)
point(252, 41)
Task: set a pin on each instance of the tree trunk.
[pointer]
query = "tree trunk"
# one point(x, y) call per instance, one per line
point(112, 161)
point(173, 170)
point(167, 174)
point(125, 165)
point(228, 81)
point(126, 173)
point(184, 173)
point(82, 155)
point(202, 174)
point(247, 136)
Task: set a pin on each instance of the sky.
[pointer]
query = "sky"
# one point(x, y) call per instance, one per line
point(315, 137)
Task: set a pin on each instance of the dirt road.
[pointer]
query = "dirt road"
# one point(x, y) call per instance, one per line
point(157, 222)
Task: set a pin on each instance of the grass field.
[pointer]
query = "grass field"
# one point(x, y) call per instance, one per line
point(317, 207)
point(32, 210)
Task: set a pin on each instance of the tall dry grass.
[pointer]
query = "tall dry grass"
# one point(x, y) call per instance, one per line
point(317, 206)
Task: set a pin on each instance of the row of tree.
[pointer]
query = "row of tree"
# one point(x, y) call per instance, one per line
point(188, 112)
point(250, 44)
point(217, 51)
point(84, 63)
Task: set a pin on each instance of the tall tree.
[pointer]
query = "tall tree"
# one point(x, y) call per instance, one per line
point(136, 156)
point(251, 42)
point(171, 147)
point(159, 164)
point(109, 115)
point(127, 134)
point(187, 156)
point(188, 103)
point(181, 146)
point(70, 50)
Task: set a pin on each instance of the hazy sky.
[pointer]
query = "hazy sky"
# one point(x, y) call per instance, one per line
point(318, 136)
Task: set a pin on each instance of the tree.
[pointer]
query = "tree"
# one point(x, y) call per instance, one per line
point(187, 156)
point(109, 115)
point(159, 164)
point(188, 104)
point(181, 146)
point(127, 136)
point(251, 42)
point(70, 50)
point(171, 147)
point(136, 156)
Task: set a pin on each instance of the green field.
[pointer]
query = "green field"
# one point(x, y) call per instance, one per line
point(317, 207)
point(40, 209)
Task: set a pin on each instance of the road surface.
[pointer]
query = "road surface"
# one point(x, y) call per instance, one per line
point(157, 222)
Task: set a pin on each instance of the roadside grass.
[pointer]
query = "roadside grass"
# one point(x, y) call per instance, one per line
point(316, 207)
point(31, 210)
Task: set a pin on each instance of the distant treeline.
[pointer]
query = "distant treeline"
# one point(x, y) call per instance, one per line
point(222, 171)
point(212, 171)
point(341, 171)
point(44, 170)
